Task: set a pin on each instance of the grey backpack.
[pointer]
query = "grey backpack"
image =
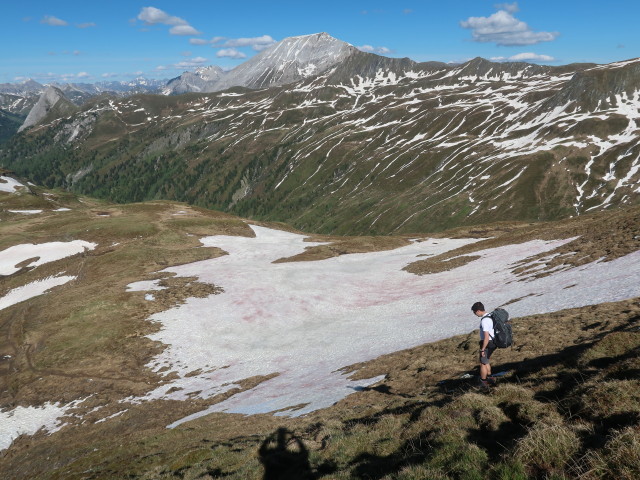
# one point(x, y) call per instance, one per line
point(502, 328)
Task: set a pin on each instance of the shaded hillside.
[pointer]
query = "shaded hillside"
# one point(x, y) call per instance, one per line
point(372, 146)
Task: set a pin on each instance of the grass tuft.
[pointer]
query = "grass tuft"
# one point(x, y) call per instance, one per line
point(620, 458)
point(548, 449)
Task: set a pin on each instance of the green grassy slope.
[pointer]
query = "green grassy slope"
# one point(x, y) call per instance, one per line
point(425, 153)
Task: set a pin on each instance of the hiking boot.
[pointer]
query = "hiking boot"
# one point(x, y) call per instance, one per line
point(491, 381)
point(484, 384)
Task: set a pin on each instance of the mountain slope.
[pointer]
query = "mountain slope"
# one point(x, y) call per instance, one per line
point(197, 81)
point(51, 104)
point(383, 145)
point(288, 61)
point(126, 341)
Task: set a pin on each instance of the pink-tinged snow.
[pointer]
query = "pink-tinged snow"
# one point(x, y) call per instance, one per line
point(305, 321)
point(43, 252)
point(33, 289)
point(9, 185)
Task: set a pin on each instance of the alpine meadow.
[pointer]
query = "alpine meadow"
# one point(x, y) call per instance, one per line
point(265, 271)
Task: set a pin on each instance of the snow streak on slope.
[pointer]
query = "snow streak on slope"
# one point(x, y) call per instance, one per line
point(9, 185)
point(304, 321)
point(342, 140)
point(33, 289)
point(39, 254)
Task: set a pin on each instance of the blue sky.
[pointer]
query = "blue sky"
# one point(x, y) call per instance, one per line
point(92, 41)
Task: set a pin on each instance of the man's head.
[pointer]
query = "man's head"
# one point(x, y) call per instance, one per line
point(478, 309)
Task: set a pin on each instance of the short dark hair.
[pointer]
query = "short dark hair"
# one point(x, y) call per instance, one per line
point(476, 307)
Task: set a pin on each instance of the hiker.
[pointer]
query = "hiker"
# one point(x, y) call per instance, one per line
point(487, 346)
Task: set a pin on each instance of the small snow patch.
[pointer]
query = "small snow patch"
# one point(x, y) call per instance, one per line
point(26, 212)
point(9, 185)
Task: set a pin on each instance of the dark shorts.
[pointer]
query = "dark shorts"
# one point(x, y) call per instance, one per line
point(488, 351)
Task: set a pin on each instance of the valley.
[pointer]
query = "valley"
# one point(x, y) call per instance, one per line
point(369, 145)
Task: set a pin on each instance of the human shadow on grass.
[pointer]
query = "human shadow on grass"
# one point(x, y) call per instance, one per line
point(285, 457)
point(381, 389)
point(528, 370)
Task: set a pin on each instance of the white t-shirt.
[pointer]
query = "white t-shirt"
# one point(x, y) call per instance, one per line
point(486, 325)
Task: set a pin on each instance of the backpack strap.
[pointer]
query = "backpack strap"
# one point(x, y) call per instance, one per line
point(489, 315)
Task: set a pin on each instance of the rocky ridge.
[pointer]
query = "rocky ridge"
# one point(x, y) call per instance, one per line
point(50, 98)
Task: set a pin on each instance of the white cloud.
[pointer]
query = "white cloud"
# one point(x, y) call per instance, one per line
point(85, 25)
point(53, 21)
point(372, 49)
point(257, 43)
point(231, 53)
point(525, 57)
point(184, 30)
point(83, 75)
point(259, 48)
point(530, 56)
point(185, 64)
point(153, 16)
point(192, 62)
point(502, 28)
point(507, 7)
point(109, 75)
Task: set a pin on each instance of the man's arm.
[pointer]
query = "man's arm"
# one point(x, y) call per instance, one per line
point(485, 342)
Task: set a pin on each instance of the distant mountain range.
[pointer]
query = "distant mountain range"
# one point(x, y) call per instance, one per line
point(316, 133)
point(18, 99)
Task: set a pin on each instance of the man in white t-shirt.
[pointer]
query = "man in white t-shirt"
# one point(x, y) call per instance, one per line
point(486, 342)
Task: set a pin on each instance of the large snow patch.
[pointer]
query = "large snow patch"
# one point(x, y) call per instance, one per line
point(307, 320)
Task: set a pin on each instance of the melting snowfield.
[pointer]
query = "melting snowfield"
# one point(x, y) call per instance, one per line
point(40, 254)
point(305, 321)
point(301, 323)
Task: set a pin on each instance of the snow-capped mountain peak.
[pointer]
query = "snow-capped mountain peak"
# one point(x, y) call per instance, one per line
point(289, 60)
